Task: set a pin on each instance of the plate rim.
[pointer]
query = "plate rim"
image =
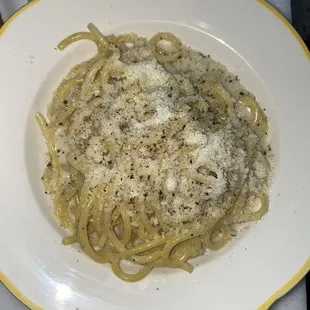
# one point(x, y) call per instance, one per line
point(275, 296)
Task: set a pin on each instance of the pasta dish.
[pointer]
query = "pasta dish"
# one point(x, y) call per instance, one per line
point(156, 153)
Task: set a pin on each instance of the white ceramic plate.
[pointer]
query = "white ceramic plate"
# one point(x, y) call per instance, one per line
point(255, 45)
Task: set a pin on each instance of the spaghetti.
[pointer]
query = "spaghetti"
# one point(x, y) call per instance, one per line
point(156, 153)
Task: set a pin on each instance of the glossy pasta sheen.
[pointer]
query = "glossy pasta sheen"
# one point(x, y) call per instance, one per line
point(112, 224)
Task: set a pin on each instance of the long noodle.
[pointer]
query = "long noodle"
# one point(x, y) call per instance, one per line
point(110, 230)
point(74, 38)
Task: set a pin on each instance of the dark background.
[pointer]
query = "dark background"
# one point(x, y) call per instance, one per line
point(301, 18)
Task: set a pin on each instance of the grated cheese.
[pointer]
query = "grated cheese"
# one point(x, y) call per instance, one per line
point(139, 141)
